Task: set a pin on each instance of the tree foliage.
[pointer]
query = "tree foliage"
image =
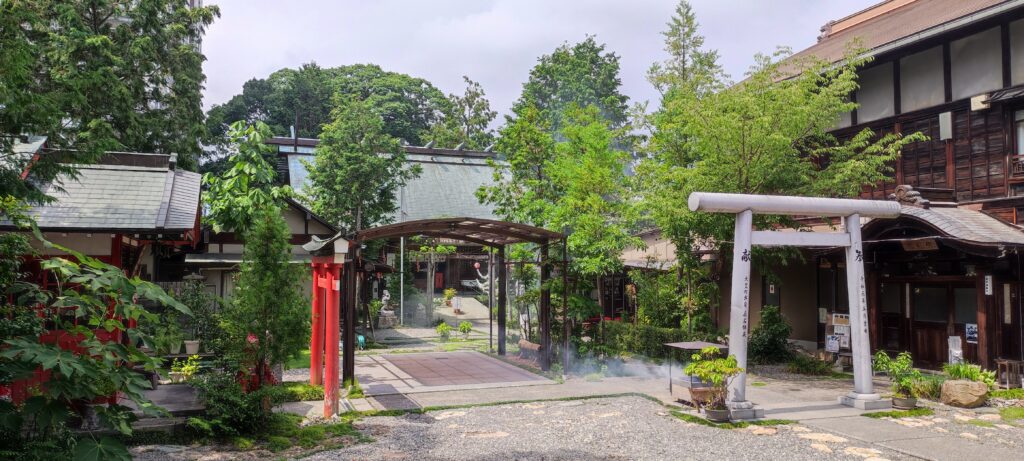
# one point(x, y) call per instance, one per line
point(268, 321)
point(583, 74)
point(467, 120)
point(766, 135)
point(234, 197)
point(303, 97)
point(99, 76)
point(358, 168)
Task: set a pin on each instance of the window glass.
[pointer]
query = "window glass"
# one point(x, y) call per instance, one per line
point(930, 304)
point(1019, 124)
point(965, 302)
point(890, 298)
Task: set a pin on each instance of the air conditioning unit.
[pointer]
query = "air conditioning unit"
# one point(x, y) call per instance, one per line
point(980, 102)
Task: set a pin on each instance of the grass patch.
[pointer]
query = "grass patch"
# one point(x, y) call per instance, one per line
point(981, 423)
point(355, 391)
point(1017, 394)
point(730, 425)
point(758, 384)
point(276, 443)
point(900, 413)
point(300, 361)
point(293, 391)
point(1012, 414)
point(593, 377)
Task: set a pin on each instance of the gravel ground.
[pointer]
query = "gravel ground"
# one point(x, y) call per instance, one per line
point(624, 428)
point(982, 425)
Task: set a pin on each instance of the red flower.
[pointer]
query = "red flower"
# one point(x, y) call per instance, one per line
point(252, 339)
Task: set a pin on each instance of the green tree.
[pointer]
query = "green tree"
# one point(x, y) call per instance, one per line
point(234, 197)
point(408, 105)
point(268, 321)
point(584, 75)
point(102, 75)
point(358, 168)
point(466, 122)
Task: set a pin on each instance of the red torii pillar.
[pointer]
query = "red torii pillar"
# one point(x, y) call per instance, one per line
point(323, 348)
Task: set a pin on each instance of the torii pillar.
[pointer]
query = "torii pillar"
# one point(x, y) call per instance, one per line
point(745, 206)
point(328, 259)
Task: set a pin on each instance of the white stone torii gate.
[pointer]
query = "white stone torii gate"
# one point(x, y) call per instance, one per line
point(744, 206)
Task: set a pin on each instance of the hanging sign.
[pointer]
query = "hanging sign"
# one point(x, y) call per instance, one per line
point(840, 319)
point(971, 332)
point(988, 285)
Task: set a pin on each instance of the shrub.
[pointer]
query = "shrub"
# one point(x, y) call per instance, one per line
point(768, 342)
point(465, 328)
point(230, 411)
point(928, 387)
point(444, 331)
point(644, 340)
point(449, 294)
point(970, 372)
point(710, 367)
point(804, 365)
point(900, 370)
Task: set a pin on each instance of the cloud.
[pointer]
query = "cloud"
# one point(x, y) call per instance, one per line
point(495, 42)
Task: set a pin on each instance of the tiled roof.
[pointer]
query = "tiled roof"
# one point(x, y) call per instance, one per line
point(446, 188)
point(899, 23)
point(125, 192)
point(967, 225)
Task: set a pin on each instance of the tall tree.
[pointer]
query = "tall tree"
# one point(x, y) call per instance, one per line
point(408, 105)
point(103, 75)
point(235, 197)
point(358, 167)
point(268, 321)
point(466, 122)
point(583, 74)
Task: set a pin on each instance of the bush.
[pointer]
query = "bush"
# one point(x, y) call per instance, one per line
point(230, 411)
point(900, 370)
point(804, 365)
point(465, 328)
point(768, 342)
point(444, 331)
point(928, 387)
point(619, 338)
point(970, 372)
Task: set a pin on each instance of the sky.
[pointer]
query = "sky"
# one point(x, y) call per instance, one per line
point(495, 42)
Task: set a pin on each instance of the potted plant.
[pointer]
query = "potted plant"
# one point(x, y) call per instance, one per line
point(465, 328)
point(177, 375)
point(710, 367)
point(449, 294)
point(444, 331)
point(902, 374)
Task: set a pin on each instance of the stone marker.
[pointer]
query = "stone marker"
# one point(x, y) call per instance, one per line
point(964, 394)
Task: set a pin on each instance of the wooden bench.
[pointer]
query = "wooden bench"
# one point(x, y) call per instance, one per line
point(528, 350)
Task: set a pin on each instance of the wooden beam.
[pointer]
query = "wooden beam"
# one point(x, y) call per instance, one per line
point(804, 239)
point(545, 308)
point(502, 284)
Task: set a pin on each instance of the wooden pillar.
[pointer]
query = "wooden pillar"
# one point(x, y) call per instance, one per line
point(502, 298)
point(984, 323)
point(874, 310)
point(566, 330)
point(316, 337)
point(545, 308)
point(349, 339)
point(331, 389)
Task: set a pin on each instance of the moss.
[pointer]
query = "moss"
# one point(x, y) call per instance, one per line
point(1008, 394)
point(730, 425)
point(900, 413)
point(1012, 414)
point(981, 423)
point(276, 443)
point(758, 384)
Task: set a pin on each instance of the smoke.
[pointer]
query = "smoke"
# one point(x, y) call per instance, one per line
point(636, 366)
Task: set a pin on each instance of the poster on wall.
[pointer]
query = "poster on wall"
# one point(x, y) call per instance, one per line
point(840, 319)
point(832, 343)
point(843, 332)
point(971, 332)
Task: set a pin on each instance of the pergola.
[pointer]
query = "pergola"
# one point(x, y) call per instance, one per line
point(329, 298)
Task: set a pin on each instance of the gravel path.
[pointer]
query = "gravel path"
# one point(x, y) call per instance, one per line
point(623, 428)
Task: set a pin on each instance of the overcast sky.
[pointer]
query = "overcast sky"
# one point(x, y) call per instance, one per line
point(494, 42)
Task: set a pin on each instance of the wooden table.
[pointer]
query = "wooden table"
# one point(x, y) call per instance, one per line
point(1009, 373)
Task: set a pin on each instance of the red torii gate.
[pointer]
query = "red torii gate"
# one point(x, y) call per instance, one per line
point(328, 260)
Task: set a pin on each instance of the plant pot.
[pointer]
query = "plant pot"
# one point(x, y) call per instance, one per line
point(904, 403)
point(177, 377)
point(192, 347)
point(717, 416)
point(174, 348)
